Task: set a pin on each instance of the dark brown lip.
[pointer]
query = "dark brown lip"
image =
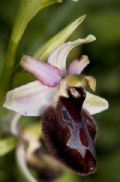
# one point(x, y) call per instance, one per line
point(70, 132)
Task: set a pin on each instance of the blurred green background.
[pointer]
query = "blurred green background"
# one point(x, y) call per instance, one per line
point(103, 20)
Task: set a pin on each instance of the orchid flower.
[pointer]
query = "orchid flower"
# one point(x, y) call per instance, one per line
point(33, 98)
point(59, 95)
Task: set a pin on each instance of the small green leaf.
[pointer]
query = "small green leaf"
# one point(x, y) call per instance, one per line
point(44, 51)
point(7, 145)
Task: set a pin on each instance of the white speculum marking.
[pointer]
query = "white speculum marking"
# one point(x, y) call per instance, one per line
point(74, 141)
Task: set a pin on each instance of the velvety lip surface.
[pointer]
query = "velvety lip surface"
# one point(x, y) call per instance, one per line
point(70, 133)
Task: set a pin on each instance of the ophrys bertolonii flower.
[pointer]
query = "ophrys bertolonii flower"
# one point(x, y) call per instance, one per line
point(60, 96)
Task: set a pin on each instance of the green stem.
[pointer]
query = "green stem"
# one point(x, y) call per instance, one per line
point(8, 69)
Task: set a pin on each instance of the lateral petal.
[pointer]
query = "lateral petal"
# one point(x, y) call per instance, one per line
point(77, 66)
point(44, 72)
point(31, 99)
point(95, 104)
